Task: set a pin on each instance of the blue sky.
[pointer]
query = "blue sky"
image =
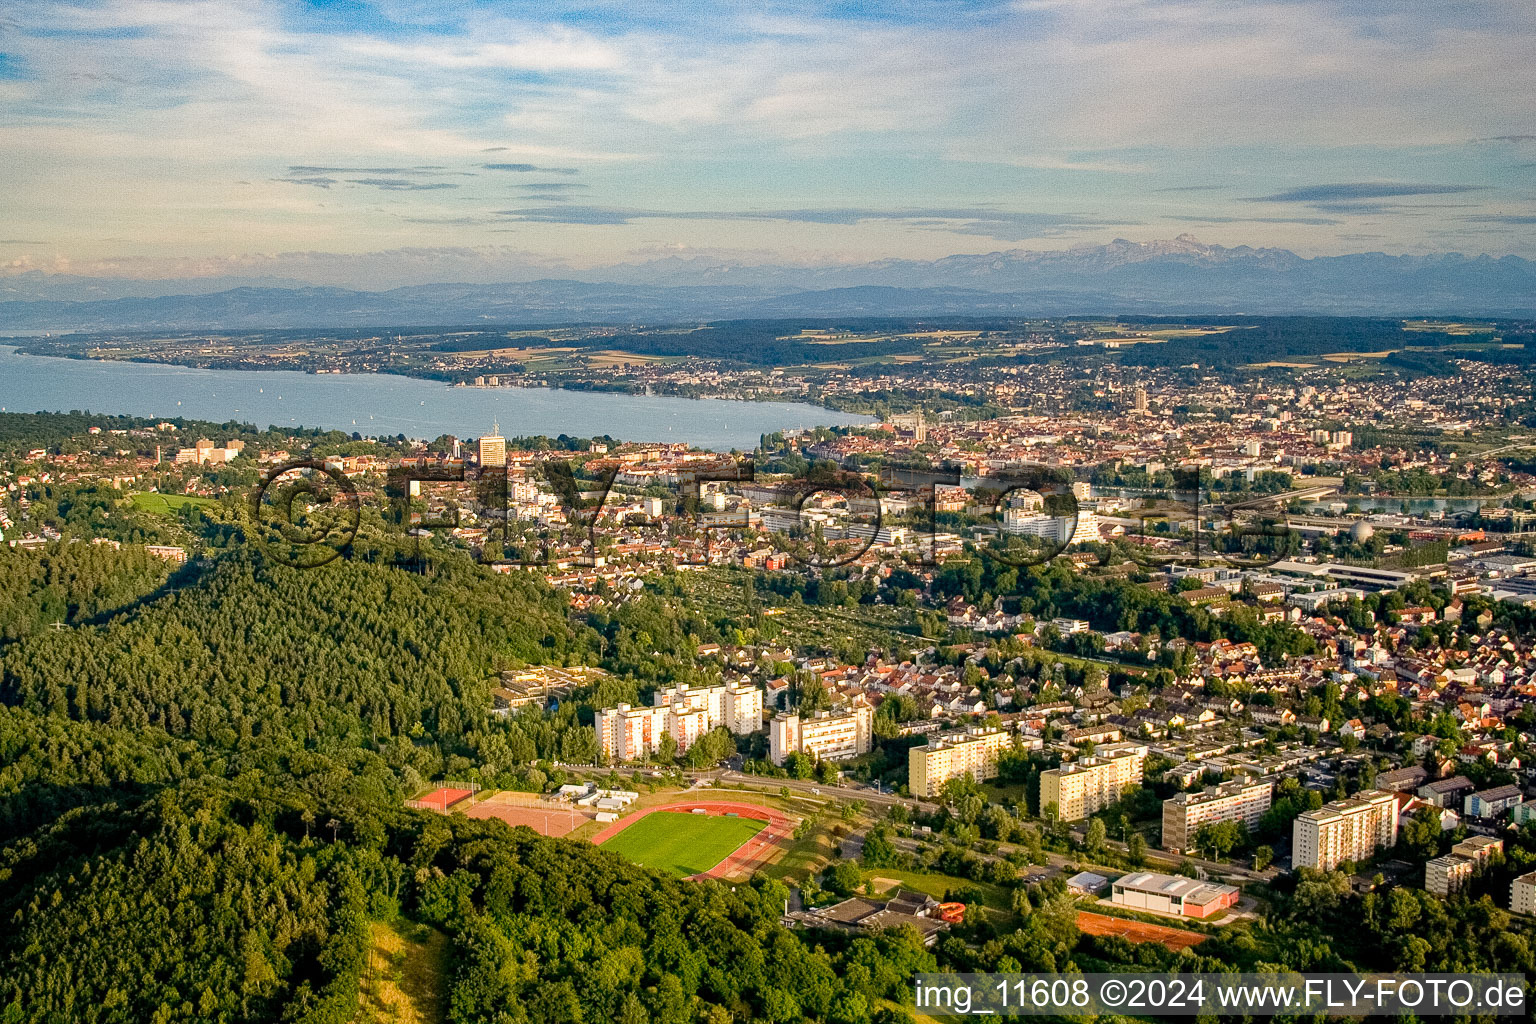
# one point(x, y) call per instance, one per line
point(402, 140)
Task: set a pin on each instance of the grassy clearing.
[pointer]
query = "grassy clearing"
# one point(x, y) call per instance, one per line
point(407, 976)
point(517, 354)
point(166, 504)
point(618, 357)
point(1352, 357)
point(1448, 327)
point(936, 885)
point(1006, 793)
point(917, 1015)
point(805, 857)
point(682, 842)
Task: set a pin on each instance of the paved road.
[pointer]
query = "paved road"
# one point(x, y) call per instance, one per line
point(807, 788)
point(1156, 859)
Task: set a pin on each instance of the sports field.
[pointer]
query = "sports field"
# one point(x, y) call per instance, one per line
point(526, 809)
point(688, 844)
point(1137, 931)
point(441, 799)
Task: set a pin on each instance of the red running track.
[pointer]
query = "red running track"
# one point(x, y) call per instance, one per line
point(746, 858)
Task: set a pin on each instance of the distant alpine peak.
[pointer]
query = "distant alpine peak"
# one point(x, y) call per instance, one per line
point(1164, 276)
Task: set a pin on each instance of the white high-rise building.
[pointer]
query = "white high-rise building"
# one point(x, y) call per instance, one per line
point(1448, 874)
point(737, 707)
point(1083, 787)
point(1344, 830)
point(1238, 800)
point(686, 713)
point(973, 752)
point(493, 449)
point(825, 736)
point(1060, 529)
point(1522, 894)
point(743, 708)
point(626, 733)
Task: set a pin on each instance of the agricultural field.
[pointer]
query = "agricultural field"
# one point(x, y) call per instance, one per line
point(683, 843)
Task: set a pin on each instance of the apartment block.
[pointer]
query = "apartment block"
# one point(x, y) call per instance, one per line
point(1447, 792)
point(825, 736)
point(1445, 875)
point(626, 733)
point(1242, 800)
point(1401, 779)
point(737, 707)
point(1478, 849)
point(973, 752)
point(1083, 787)
point(1522, 894)
point(1491, 803)
point(1350, 829)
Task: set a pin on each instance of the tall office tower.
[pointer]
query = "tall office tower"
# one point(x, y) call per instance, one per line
point(493, 449)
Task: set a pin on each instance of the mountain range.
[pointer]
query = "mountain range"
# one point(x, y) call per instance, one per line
point(1181, 275)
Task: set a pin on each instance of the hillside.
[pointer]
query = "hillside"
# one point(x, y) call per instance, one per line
point(1121, 277)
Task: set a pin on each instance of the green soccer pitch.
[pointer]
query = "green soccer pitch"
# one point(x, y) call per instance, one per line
point(687, 844)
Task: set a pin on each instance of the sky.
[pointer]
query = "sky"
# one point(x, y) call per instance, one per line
point(407, 141)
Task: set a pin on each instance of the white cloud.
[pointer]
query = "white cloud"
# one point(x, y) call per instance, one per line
point(138, 122)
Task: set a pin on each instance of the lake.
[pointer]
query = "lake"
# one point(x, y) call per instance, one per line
point(387, 404)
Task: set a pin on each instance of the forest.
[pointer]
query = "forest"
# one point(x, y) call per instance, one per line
point(201, 783)
point(215, 901)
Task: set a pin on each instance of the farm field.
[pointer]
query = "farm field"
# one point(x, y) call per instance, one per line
point(680, 842)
